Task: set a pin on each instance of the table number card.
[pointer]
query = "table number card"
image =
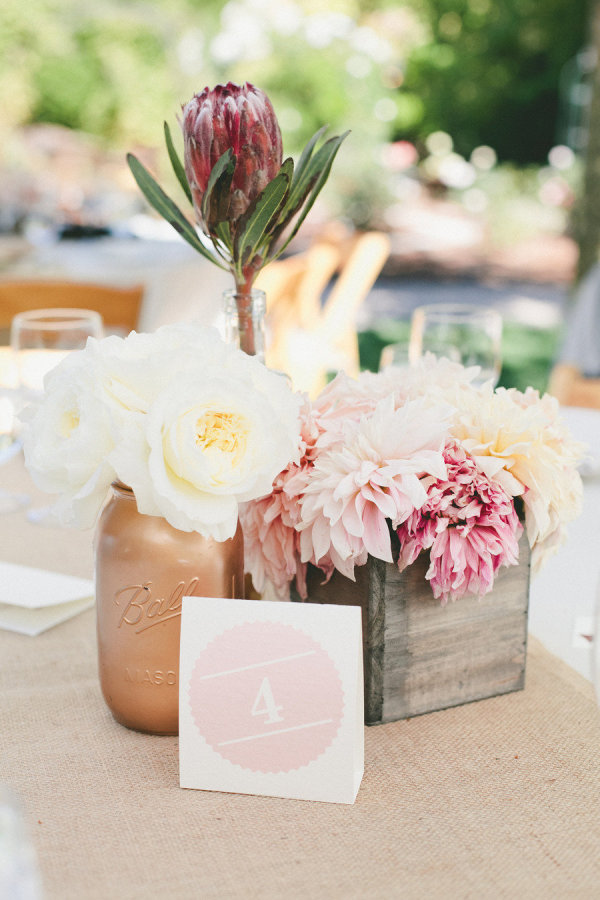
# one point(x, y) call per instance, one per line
point(271, 699)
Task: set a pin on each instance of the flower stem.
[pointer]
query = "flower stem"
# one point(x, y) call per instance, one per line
point(245, 318)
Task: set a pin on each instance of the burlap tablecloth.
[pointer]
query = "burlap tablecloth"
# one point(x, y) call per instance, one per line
point(497, 799)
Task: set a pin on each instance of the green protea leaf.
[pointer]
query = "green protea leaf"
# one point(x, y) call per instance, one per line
point(310, 165)
point(307, 153)
point(306, 188)
point(223, 233)
point(215, 203)
point(254, 225)
point(163, 205)
point(178, 167)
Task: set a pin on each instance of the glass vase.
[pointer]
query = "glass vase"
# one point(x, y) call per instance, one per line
point(245, 321)
point(143, 569)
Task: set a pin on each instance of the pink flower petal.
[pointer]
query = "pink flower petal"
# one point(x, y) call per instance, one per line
point(377, 537)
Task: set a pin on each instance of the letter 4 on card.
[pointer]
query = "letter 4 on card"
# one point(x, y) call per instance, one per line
point(271, 699)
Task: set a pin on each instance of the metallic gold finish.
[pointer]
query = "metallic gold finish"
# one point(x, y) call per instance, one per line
point(144, 567)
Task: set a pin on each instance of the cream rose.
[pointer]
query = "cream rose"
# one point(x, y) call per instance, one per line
point(130, 372)
point(67, 443)
point(208, 444)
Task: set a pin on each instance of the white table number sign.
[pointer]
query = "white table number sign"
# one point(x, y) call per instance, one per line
point(271, 699)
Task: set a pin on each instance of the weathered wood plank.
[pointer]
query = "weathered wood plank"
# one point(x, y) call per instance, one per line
point(420, 656)
point(374, 645)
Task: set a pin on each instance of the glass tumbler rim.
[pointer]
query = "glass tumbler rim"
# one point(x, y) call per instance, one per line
point(57, 318)
point(458, 309)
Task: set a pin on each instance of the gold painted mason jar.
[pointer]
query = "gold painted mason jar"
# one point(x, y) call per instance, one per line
point(144, 567)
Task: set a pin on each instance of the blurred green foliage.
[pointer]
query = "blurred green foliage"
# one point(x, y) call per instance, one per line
point(489, 73)
point(484, 71)
point(104, 71)
point(118, 68)
point(115, 68)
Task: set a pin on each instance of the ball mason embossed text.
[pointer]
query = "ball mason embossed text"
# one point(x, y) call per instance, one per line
point(143, 611)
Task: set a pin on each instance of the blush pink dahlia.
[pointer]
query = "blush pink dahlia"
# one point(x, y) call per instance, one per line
point(271, 541)
point(469, 525)
point(373, 475)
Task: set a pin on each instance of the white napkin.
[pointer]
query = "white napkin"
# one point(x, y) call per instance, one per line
point(33, 600)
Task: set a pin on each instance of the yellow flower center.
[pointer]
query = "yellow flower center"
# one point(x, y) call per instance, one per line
point(68, 423)
point(222, 431)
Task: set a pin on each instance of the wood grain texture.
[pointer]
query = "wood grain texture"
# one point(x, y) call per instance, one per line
point(420, 656)
point(118, 306)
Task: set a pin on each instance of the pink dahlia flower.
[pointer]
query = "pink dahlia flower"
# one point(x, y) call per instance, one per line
point(372, 476)
point(271, 541)
point(469, 525)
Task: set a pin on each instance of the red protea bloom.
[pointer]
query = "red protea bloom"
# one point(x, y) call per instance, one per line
point(248, 202)
point(236, 117)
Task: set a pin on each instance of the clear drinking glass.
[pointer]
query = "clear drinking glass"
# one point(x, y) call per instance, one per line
point(40, 339)
point(394, 355)
point(461, 333)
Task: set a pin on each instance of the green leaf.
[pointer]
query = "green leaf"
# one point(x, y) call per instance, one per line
point(215, 203)
point(292, 206)
point(316, 174)
point(306, 154)
point(163, 205)
point(178, 167)
point(223, 232)
point(254, 224)
point(304, 182)
point(304, 176)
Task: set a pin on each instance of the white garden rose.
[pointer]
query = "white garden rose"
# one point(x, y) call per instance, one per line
point(208, 443)
point(68, 440)
point(131, 371)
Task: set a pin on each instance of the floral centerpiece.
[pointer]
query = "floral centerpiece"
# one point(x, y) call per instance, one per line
point(248, 201)
point(391, 467)
point(423, 460)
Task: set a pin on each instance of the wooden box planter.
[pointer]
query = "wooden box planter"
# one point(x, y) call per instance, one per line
point(420, 656)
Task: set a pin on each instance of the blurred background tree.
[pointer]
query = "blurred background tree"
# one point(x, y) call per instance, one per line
point(587, 217)
point(483, 71)
point(489, 73)
point(455, 108)
point(480, 71)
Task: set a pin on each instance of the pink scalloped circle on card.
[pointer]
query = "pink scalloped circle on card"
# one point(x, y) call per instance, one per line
point(266, 696)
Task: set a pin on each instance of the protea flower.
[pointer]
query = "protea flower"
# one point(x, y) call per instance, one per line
point(240, 118)
point(244, 197)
